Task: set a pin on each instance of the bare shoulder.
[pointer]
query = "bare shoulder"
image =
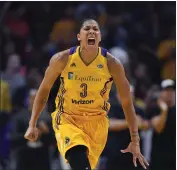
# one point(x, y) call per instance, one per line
point(55, 68)
point(59, 60)
point(60, 57)
point(114, 65)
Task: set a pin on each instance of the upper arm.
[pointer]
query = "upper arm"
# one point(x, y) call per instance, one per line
point(116, 69)
point(55, 68)
point(156, 124)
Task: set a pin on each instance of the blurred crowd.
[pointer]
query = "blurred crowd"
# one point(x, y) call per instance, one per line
point(142, 35)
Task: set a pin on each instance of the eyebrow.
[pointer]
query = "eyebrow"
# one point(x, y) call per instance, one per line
point(94, 26)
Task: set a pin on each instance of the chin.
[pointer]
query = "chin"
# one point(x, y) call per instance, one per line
point(92, 47)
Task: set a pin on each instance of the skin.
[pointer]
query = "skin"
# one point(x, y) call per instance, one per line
point(42, 127)
point(118, 125)
point(166, 100)
point(89, 29)
point(168, 96)
point(58, 62)
point(117, 71)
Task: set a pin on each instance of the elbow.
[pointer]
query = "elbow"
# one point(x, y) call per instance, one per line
point(126, 102)
point(157, 124)
point(159, 129)
point(45, 88)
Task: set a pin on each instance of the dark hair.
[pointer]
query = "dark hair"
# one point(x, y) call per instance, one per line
point(81, 24)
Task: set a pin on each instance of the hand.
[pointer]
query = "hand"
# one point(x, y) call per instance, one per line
point(134, 148)
point(31, 134)
point(163, 106)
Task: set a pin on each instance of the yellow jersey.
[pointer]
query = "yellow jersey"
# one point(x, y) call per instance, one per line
point(5, 104)
point(84, 89)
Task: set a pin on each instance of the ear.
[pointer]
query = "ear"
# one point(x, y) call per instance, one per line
point(78, 37)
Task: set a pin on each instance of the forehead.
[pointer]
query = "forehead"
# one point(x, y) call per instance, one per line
point(90, 23)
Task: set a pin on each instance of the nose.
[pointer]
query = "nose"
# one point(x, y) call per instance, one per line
point(91, 31)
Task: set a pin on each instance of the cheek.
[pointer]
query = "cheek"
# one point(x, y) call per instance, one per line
point(173, 95)
point(98, 36)
point(163, 96)
point(84, 36)
point(169, 96)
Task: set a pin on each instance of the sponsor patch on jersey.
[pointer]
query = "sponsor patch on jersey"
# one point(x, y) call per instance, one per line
point(87, 78)
point(70, 75)
point(100, 66)
point(82, 101)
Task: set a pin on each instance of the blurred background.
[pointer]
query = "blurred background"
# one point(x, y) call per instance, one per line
point(142, 35)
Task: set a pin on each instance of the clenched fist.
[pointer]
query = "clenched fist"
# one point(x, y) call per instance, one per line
point(31, 134)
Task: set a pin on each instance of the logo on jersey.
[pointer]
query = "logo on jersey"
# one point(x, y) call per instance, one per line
point(82, 101)
point(87, 78)
point(70, 75)
point(73, 65)
point(67, 140)
point(100, 66)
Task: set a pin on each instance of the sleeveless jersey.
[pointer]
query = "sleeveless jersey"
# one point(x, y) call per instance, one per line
point(84, 90)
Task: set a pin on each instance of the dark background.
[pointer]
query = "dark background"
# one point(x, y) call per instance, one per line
point(141, 34)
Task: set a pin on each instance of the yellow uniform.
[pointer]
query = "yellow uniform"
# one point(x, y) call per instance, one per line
point(5, 104)
point(82, 104)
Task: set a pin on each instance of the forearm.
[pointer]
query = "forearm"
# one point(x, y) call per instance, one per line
point(117, 125)
point(158, 122)
point(39, 104)
point(131, 119)
point(145, 125)
point(163, 119)
point(117, 71)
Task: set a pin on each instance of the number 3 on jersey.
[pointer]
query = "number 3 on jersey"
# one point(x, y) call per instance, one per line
point(83, 94)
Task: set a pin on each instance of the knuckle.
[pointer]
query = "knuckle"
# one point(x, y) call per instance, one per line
point(136, 154)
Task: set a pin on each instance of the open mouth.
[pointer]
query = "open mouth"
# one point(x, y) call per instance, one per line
point(91, 41)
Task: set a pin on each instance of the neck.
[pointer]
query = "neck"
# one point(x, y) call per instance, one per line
point(88, 55)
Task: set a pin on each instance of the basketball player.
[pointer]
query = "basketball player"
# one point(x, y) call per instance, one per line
point(80, 122)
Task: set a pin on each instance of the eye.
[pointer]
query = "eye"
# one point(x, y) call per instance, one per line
point(96, 29)
point(86, 28)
